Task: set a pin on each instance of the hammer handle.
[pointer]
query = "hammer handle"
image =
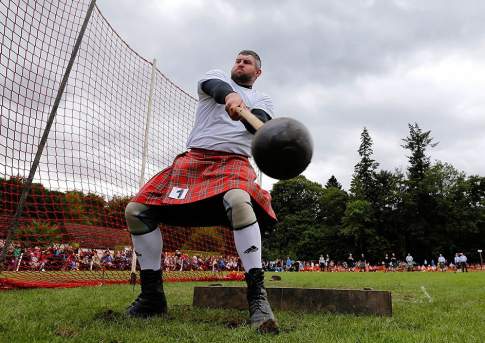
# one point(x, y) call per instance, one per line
point(250, 118)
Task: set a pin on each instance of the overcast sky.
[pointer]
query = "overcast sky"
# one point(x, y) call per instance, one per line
point(337, 66)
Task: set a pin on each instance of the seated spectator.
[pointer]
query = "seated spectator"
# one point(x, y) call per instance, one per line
point(107, 259)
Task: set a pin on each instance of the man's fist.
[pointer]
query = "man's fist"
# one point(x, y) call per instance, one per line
point(234, 100)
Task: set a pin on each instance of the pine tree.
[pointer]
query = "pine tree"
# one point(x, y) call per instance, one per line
point(362, 184)
point(417, 142)
point(419, 207)
point(332, 182)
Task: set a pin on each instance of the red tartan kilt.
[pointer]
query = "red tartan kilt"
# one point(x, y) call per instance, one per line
point(201, 175)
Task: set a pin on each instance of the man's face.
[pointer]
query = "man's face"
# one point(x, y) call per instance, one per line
point(245, 70)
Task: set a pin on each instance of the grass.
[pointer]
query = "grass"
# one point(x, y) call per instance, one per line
point(450, 308)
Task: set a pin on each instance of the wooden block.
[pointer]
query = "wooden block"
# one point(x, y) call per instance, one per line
point(353, 301)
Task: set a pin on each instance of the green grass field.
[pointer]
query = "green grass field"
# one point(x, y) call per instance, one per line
point(454, 311)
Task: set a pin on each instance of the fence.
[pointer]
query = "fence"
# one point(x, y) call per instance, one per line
point(94, 151)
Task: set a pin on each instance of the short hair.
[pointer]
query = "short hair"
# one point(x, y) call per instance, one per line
point(252, 53)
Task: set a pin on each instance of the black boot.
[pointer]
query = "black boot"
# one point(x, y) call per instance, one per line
point(260, 313)
point(151, 301)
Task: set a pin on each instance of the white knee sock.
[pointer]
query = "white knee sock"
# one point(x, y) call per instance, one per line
point(248, 246)
point(148, 248)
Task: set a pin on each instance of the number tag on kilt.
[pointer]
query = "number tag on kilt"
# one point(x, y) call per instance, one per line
point(178, 193)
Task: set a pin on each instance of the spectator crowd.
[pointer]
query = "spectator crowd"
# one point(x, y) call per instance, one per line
point(64, 257)
point(390, 263)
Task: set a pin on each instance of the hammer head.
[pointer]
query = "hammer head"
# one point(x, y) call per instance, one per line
point(282, 148)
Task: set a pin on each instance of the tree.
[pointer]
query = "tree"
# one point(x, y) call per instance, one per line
point(115, 211)
point(88, 209)
point(297, 195)
point(332, 182)
point(418, 206)
point(462, 210)
point(333, 203)
point(362, 184)
point(389, 187)
point(297, 206)
point(417, 143)
point(359, 223)
point(357, 226)
point(39, 233)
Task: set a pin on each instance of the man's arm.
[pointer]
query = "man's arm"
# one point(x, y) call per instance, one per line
point(219, 90)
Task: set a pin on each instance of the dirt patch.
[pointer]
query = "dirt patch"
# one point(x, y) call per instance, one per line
point(235, 323)
point(65, 331)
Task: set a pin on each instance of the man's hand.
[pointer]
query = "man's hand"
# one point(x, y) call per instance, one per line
point(234, 100)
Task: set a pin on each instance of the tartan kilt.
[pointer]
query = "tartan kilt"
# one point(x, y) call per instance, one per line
point(190, 191)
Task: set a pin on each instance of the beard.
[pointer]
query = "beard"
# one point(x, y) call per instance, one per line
point(241, 79)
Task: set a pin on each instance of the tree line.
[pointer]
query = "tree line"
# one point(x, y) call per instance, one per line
point(425, 210)
point(47, 212)
point(51, 205)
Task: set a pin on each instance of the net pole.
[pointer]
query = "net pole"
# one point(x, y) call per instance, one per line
point(141, 181)
point(33, 169)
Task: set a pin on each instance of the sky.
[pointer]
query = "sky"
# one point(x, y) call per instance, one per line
point(336, 66)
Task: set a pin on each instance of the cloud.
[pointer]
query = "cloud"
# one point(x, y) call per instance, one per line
point(337, 66)
point(96, 140)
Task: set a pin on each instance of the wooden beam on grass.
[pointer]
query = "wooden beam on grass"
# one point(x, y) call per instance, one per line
point(350, 301)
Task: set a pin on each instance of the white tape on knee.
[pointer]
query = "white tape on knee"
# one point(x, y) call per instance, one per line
point(239, 208)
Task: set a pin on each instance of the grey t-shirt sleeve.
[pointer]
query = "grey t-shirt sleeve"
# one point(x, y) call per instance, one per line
point(217, 89)
point(214, 74)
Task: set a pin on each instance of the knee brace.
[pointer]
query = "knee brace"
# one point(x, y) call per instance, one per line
point(138, 219)
point(239, 209)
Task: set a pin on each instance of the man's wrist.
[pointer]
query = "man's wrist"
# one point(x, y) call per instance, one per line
point(229, 95)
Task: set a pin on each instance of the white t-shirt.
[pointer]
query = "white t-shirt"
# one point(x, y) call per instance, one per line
point(214, 129)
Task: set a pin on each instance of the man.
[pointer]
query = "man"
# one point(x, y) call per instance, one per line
point(321, 263)
point(288, 264)
point(179, 263)
point(409, 263)
point(327, 262)
point(385, 262)
point(394, 262)
point(212, 183)
point(462, 259)
point(362, 263)
point(456, 260)
point(441, 262)
point(350, 263)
